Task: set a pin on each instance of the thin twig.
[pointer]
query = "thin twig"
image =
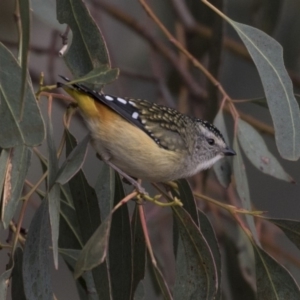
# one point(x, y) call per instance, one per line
point(146, 235)
point(230, 208)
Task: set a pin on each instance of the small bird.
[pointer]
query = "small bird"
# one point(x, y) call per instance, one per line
point(145, 140)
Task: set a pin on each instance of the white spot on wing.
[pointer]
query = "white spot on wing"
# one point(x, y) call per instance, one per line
point(109, 98)
point(123, 101)
point(132, 103)
point(135, 115)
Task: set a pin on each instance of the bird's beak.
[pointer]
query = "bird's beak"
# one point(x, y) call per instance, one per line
point(229, 152)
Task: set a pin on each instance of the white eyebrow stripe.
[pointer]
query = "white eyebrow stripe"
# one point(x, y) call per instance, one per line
point(123, 101)
point(135, 115)
point(132, 103)
point(109, 98)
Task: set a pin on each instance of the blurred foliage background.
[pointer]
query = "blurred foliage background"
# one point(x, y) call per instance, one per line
point(153, 69)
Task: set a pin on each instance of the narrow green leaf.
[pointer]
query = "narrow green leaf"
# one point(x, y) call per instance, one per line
point(257, 152)
point(71, 253)
point(243, 187)
point(105, 189)
point(291, 228)
point(53, 192)
point(4, 282)
point(85, 284)
point(273, 281)
point(209, 234)
point(52, 155)
point(237, 282)
point(70, 247)
point(95, 250)
point(36, 270)
point(160, 280)
point(84, 198)
point(139, 292)
point(18, 164)
point(74, 162)
point(245, 256)
point(187, 198)
point(88, 215)
point(69, 231)
point(24, 47)
point(196, 274)
point(66, 195)
point(17, 287)
point(268, 58)
point(29, 131)
point(46, 12)
point(120, 251)
point(138, 251)
point(222, 167)
point(100, 76)
point(88, 49)
point(54, 209)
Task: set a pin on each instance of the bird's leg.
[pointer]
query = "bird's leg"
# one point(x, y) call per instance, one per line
point(136, 184)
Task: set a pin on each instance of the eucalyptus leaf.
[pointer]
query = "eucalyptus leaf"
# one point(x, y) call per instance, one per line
point(73, 162)
point(88, 216)
point(238, 284)
point(246, 258)
point(15, 131)
point(84, 198)
point(36, 269)
point(267, 55)
point(291, 228)
point(209, 234)
point(71, 253)
point(88, 49)
point(24, 45)
point(100, 76)
point(95, 250)
point(85, 284)
point(105, 189)
point(54, 209)
point(120, 248)
point(139, 292)
point(53, 192)
point(17, 285)
point(273, 281)
point(17, 168)
point(243, 187)
point(196, 274)
point(222, 167)
point(257, 152)
point(160, 280)
point(187, 199)
point(138, 251)
point(69, 231)
point(70, 247)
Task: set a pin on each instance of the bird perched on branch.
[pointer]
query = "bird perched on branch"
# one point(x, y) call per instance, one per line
point(144, 140)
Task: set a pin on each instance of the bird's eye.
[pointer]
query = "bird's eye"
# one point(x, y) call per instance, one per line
point(211, 141)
